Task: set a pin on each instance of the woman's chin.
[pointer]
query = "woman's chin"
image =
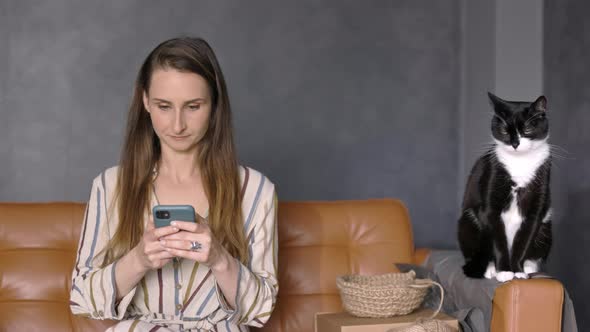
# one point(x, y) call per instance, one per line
point(181, 146)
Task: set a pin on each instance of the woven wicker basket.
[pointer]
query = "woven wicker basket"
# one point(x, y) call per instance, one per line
point(385, 295)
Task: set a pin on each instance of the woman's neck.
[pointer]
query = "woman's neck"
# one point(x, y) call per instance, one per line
point(178, 167)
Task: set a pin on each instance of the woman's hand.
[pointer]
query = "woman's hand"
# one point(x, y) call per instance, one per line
point(211, 252)
point(149, 251)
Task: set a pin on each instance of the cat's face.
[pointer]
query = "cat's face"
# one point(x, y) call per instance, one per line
point(519, 127)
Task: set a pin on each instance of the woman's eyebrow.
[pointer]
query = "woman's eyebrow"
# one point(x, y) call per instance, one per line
point(186, 102)
point(194, 100)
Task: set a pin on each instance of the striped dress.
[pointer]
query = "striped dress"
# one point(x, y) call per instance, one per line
point(183, 295)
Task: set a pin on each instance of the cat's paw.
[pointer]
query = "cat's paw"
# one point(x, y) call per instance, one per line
point(491, 271)
point(521, 275)
point(504, 276)
point(530, 266)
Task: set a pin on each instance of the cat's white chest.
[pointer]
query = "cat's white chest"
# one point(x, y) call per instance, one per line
point(522, 166)
point(512, 219)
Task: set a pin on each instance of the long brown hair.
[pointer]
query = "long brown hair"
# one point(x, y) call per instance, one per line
point(216, 153)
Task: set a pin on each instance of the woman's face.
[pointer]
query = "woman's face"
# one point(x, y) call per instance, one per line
point(179, 104)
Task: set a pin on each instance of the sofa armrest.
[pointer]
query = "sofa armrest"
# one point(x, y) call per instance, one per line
point(420, 255)
point(528, 305)
point(519, 305)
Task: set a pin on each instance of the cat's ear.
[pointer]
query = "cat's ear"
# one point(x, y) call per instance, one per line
point(496, 101)
point(499, 104)
point(540, 104)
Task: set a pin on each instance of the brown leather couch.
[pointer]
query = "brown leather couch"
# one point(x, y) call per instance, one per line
point(318, 241)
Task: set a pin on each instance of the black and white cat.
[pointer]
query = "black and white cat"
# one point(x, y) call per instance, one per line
point(505, 226)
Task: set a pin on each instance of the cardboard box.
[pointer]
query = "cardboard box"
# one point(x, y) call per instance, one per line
point(345, 322)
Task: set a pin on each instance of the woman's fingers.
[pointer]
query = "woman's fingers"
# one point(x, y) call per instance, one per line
point(183, 244)
point(160, 256)
point(158, 259)
point(152, 253)
point(198, 256)
point(164, 231)
point(178, 243)
point(183, 248)
point(188, 236)
point(153, 247)
point(151, 244)
point(189, 226)
point(153, 234)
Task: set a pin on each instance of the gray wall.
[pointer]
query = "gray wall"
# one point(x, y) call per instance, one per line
point(332, 99)
point(502, 52)
point(478, 77)
point(567, 69)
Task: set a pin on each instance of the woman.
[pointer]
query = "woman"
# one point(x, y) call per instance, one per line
point(216, 274)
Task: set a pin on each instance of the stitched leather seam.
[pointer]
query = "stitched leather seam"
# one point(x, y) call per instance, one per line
point(514, 320)
point(558, 327)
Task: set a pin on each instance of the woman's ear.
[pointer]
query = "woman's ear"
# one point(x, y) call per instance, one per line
point(145, 101)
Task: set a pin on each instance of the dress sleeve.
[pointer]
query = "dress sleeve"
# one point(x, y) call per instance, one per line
point(257, 280)
point(94, 292)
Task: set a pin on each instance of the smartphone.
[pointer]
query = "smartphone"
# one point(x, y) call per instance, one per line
point(164, 214)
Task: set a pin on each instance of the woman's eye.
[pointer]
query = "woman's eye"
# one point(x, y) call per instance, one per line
point(194, 107)
point(164, 107)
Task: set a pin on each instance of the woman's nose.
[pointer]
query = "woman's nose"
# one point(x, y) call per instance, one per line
point(179, 121)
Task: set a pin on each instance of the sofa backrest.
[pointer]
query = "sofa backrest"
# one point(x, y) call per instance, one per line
point(317, 242)
point(38, 243)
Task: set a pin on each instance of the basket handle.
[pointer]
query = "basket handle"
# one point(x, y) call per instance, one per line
point(425, 283)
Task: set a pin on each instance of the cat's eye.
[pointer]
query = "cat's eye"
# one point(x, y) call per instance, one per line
point(534, 121)
point(503, 130)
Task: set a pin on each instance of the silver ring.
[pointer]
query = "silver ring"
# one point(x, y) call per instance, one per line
point(195, 246)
